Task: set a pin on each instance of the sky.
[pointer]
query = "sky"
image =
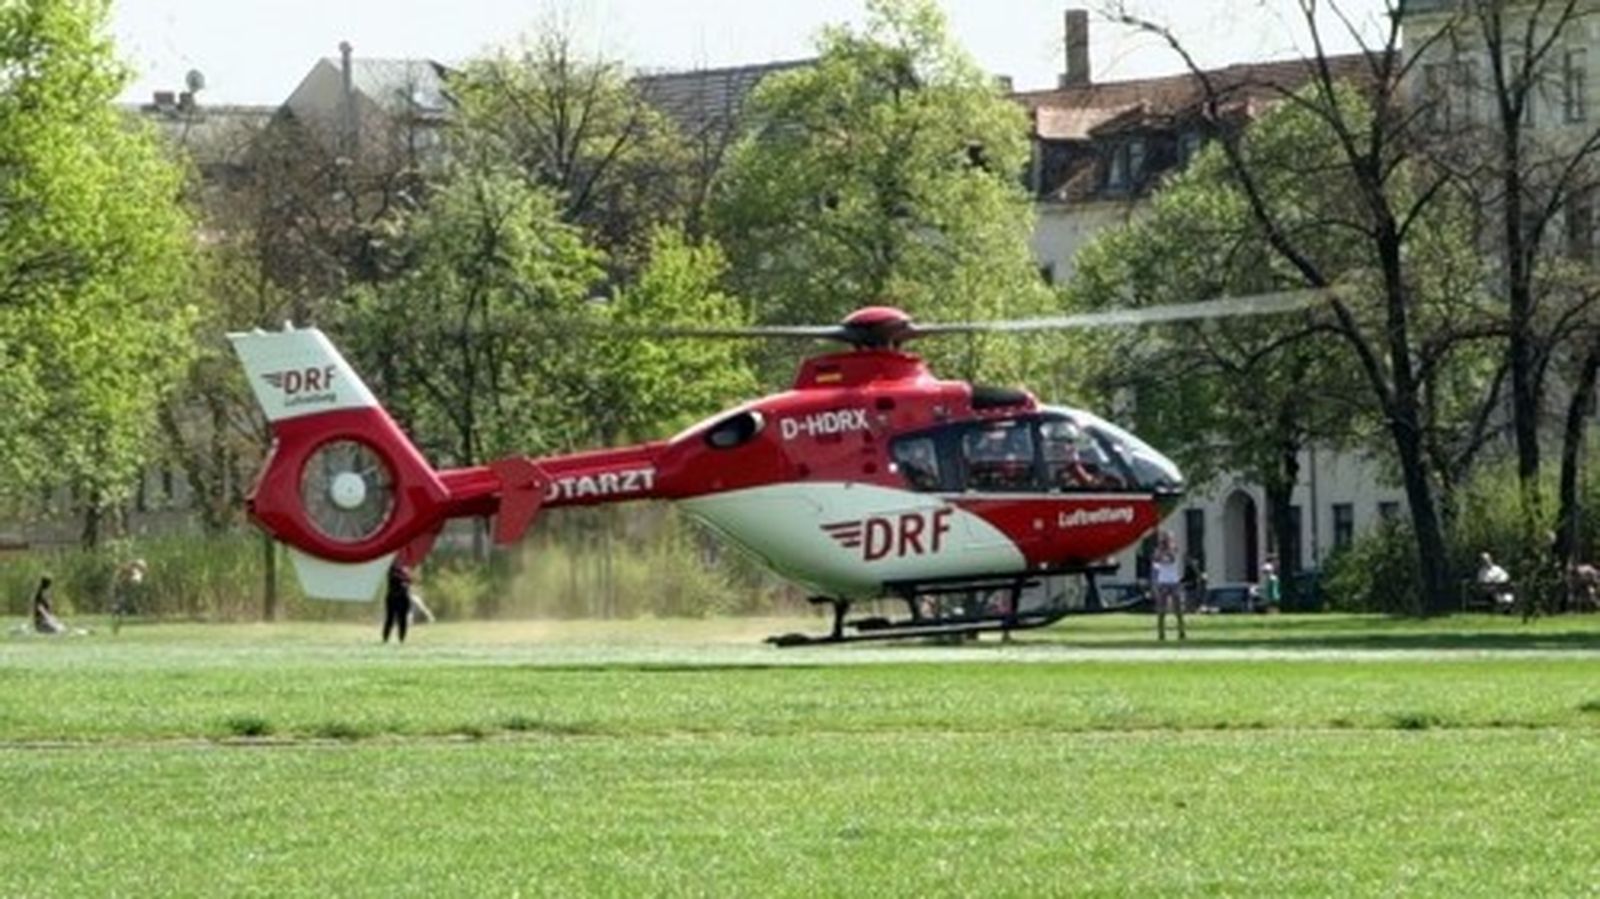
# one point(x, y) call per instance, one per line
point(254, 51)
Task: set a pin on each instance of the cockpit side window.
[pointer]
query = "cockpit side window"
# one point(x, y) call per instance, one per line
point(999, 456)
point(1076, 458)
point(917, 459)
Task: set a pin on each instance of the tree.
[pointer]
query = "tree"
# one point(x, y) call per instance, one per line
point(1532, 169)
point(888, 172)
point(578, 127)
point(472, 345)
point(660, 385)
point(1249, 395)
point(1389, 198)
point(95, 254)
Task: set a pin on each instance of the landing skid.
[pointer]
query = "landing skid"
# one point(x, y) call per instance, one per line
point(927, 616)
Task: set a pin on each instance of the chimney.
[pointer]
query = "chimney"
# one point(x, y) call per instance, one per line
point(1077, 40)
point(348, 97)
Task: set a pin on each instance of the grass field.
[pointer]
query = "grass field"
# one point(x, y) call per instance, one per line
point(1273, 755)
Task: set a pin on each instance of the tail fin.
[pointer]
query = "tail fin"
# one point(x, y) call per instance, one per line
point(342, 485)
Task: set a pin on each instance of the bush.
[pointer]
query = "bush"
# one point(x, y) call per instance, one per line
point(1376, 573)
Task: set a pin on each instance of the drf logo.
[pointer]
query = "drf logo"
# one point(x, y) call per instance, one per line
point(302, 380)
point(899, 536)
point(304, 385)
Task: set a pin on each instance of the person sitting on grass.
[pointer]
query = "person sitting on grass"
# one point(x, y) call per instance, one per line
point(44, 617)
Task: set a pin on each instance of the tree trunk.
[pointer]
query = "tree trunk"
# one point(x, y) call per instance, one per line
point(1570, 508)
point(93, 513)
point(1433, 564)
point(1280, 509)
point(269, 578)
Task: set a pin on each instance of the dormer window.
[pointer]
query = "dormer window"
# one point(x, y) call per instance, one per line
point(1126, 169)
point(1189, 144)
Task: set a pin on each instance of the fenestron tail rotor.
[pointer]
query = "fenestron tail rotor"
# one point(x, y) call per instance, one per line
point(347, 490)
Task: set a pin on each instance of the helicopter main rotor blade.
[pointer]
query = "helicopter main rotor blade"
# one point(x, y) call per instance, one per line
point(1222, 307)
point(754, 332)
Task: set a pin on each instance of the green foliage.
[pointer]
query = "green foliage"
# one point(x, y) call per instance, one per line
point(95, 254)
point(592, 563)
point(1376, 573)
point(212, 578)
point(473, 345)
point(888, 172)
point(659, 386)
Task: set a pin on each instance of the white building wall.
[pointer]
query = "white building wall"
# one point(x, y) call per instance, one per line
point(1062, 229)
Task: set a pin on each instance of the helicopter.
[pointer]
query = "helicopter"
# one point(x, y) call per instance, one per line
point(870, 478)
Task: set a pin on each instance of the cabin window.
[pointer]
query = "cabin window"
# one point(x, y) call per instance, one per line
point(917, 460)
point(999, 456)
point(734, 431)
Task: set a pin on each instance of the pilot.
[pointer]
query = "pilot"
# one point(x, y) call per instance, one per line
point(919, 465)
point(1067, 468)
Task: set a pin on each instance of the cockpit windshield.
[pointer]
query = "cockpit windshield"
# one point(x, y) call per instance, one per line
point(1111, 448)
point(1060, 450)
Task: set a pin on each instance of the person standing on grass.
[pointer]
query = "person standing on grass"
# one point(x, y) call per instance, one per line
point(127, 586)
point(397, 601)
point(1168, 580)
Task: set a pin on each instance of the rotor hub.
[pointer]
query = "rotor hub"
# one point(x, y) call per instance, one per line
point(348, 490)
point(877, 327)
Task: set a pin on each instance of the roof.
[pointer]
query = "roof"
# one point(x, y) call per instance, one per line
point(702, 99)
point(1073, 113)
point(399, 84)
point(210, 135)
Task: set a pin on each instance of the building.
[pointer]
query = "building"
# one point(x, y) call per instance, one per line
point(1100, 151)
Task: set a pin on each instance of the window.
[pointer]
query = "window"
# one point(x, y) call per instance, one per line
point(1075, 458)
point(1435, 96)
point(734, 431)
point(1189, 145)
point(1117, 176)
point(1389, 511)
point(1289, 553)
point(1047, 273)
point(1580, 224)
point(1575, 84)
point(166, 484)
point(917, 460)
point(1194, 536)
point(1127, 165)
point(999, 456)
point(1465, 93)
point(1344, 525)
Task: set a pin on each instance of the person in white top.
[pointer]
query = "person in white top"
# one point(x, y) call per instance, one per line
point(1168, 578)
point(1495, 583)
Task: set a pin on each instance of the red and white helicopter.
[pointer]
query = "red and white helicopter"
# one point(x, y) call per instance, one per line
point(869, 478)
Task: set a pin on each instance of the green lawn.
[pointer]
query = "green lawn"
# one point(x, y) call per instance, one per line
point(1325, 755)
